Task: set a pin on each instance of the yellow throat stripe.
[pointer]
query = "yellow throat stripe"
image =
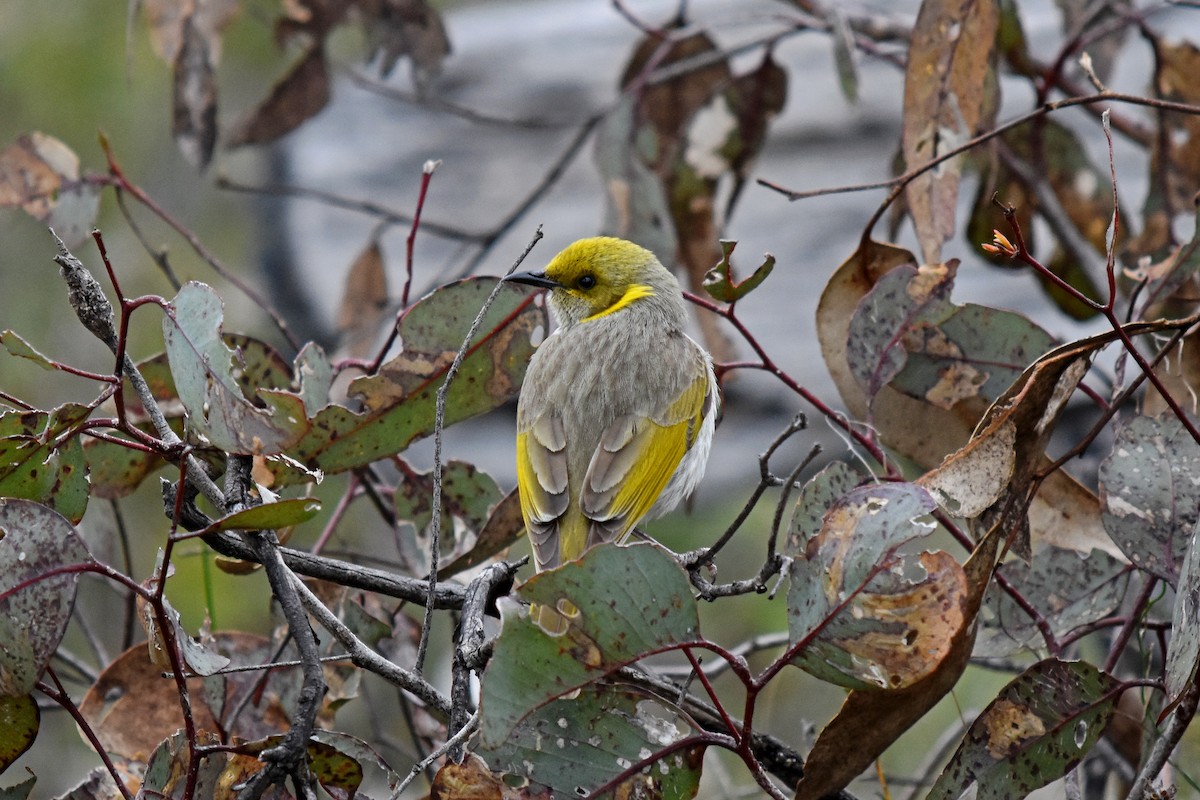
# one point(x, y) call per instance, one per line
point(634, 292)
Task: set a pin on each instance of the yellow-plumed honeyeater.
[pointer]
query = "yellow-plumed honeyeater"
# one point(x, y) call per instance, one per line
point(618, 406)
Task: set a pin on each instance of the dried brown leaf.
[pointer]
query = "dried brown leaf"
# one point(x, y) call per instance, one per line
point(297, 97)
point(870, 721)
point(1063, 512)
point(364, 301)
point(470, 780)
point(131, 708)
point(167, 20)
point(195, 98)
point(949, 95)
point(32, 170)
point(410, 29)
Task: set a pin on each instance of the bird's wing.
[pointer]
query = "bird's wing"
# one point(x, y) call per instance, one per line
point(542, 483)
point(635, 460)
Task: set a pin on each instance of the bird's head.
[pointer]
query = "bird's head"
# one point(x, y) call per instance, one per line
point(595, 277)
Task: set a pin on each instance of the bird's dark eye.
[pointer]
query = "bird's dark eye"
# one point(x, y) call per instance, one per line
point(586, 282)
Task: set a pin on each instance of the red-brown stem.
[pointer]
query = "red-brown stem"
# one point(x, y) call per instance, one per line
point(767, 364)
point(409, 244)
point(1134, 618)
point(117, 179)
point(698, 671)
point(59, 695)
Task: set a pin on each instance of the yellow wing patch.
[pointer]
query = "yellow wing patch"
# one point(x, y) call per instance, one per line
point(635, 460)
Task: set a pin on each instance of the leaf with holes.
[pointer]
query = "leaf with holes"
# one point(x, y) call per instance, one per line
point(1036, 730)
point(863, 615)
point(1069, 587)
point(1150, 493)
point(34, 542)
point(908, 335)
point(468, 496)
point(574, 746)
point(632, 601)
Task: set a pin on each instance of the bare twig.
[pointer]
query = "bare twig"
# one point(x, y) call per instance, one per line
point(366, 658)
point(439, 425)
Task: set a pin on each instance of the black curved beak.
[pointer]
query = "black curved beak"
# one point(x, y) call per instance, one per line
point(537, 279)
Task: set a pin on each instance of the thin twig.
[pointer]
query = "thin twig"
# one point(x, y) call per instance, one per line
point(438, 426)
point(454, 741)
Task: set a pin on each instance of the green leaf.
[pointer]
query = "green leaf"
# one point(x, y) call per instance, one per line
point(1183, 653)
point(34, 541)
point(1036, 730)
point(1078, 587)
point(36, 464)
point(863, 615)
point(399, 402)
point(1150, 493)
point(115, 470)
point(204, 371)
point(844, 52)
point(268, 516)
point(468, 495)
point(632, 601)
point(19, 723)
point(19, 791)
point(720, 283)
point(573, 746)
point(906, 333)
point(22, 349)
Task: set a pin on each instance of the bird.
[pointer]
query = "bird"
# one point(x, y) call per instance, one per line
point(617, 409)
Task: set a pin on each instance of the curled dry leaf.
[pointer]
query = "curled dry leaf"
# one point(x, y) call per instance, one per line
point(364, 301)
point(870, 721)
point(411, 29)
point(167, 20)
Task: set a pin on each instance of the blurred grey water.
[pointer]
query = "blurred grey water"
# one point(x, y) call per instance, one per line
point(559, 60)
